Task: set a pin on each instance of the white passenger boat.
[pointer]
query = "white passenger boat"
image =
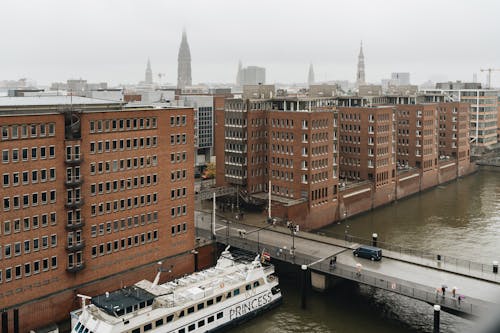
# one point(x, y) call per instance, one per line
point(207, 301)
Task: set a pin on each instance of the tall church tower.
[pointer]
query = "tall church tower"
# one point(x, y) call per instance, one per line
point(149, 74)
point(184, 64)
point(360, 78)
point(310, 77)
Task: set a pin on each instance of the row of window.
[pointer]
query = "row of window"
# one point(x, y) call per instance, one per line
point(27, 200)
point(124, 243)
point(178, 175)
point(29, 268)
point(178, 139)
point(124, 223)
point(29, 223)
point(178, 157)
point(123, 184)
point(22, 131)
point(123, 144)
point(122, 204)
point(123, 164)
point(178, 211)
point(28, 177)
point(178, 120)
point(28, 245)
point(179, 228)
point(127, 124)
point(27, 154)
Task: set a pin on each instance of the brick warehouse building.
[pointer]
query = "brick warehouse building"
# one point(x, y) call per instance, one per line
point(359, 158)
point(290, 142)
point(93, 196)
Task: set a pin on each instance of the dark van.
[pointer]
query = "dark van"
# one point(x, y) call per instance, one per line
point(368, 252)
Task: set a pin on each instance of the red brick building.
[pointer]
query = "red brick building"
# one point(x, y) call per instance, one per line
point(366, 144)
point(289, 142)
point(93, 196)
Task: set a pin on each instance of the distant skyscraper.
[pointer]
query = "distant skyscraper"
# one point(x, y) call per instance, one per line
point(238, 75)
point(184, 64)
point(252, 75)
point(149, 74)
point(360, 79)
point(400, 78)
point(310, 77)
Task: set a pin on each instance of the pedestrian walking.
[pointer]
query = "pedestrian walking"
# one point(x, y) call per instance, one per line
point(438, 290)
point(454, 292)
point(443, 288)
point(359, 267)
point(460, 298)
point(333, 262)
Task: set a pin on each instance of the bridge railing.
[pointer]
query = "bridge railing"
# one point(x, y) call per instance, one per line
point(416, 291)
point(431, 259)
point(421, 292)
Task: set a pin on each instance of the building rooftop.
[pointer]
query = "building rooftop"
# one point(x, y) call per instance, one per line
point(52, 100)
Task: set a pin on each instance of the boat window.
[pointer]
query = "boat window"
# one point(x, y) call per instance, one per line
point(228, 295)
point(159, 322)
point(220, 315)
point(218, 298)
point(210, 302)
point(128, 309)
point(148, 327)
point(149, 302)
point(142, 305)
point(201, 323)
point(191, 327)
point(77, 326)
point(137, 330)
point(81, 329)
point(191, 310)
point(210, 319)
point(248, 287)
point(170, 318)
point(256, 284)
point(86, 330)
point(201, 306)
point(236, 292)
point(181, 314)
point(182, 330)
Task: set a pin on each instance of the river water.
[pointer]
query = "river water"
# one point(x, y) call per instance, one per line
point(458, 219)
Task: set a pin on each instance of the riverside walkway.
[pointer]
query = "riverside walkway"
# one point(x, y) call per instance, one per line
point(415, 274)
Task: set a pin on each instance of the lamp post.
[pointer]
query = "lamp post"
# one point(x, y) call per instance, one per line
point(294, 228)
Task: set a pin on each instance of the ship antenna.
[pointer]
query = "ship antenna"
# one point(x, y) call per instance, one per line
point(84, 298)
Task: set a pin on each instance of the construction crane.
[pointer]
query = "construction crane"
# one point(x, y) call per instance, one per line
point(489, 70)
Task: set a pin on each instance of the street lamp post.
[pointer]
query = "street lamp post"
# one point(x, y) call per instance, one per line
point(294, 228)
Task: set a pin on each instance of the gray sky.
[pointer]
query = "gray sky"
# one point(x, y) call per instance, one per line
point(110, 41)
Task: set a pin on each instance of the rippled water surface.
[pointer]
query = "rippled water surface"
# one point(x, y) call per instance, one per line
point(459, 219)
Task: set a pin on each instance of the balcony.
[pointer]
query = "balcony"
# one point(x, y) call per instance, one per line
point(76, 268)
point(74, 159)
point(74, 181)
point(75, 224)
point(75, 246)
point(75, 204)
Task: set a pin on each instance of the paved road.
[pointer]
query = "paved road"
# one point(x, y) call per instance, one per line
point(417, 275)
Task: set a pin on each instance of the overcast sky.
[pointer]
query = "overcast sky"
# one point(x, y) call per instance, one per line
point(101, 40)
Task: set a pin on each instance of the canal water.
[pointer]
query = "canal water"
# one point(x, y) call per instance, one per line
point(459, 219)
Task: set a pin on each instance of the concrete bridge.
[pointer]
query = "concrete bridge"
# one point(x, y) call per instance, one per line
point(411, 273)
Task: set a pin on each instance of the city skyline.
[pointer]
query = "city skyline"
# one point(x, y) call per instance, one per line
point(104, 42)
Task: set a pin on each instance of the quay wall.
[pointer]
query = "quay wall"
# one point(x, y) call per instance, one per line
point(355, 200)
